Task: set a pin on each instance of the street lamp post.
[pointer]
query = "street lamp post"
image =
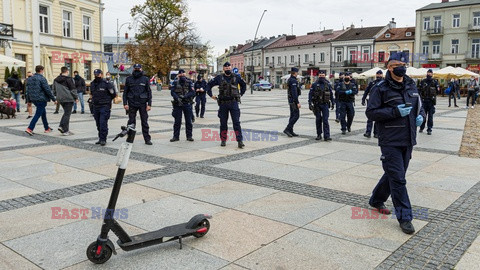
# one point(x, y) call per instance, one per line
point(252, 67)
point(118, 51)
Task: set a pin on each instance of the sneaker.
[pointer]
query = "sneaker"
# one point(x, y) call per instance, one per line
point(421, 131)
point(103, 143)
point(190, 139)
point(29, 132)
point(473, 107)
point(349, 129)
point(429, 133)
point(49, 130)
point(98, 142)
point(344, 132)
point(456, 106)
point(61, 130)
point(382, 209)
point(18, 110)
point(68, 133)
point(28, 117)
point(240, 144)
point(202, 117)
point(319, 138)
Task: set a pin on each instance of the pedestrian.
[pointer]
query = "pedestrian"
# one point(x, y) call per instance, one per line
point(320, 100)
point(201, 98)
point(81, 87)
point(370, 124)
point(39, 93)
point(102, 93)
point(472, 88)
point(346, 96)
point(182, 92)
point(396, 108)
point(228, 100)
point(137, 97)
point(429, 88)
point(66, 93)
point(27, 99)
point(7, 97)
point(341, 77)
point(454, 88)
point(16, 86)
point(293, 102)
point(108, 78)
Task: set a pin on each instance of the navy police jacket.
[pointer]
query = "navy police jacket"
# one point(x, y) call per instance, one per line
point(102, 92)
point(369, 88)
point(200, 84)
point(293, 87)
point(393, 129)
point(137, 90)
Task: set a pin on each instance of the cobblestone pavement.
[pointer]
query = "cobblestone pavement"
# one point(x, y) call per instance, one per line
point(280, 203)
point(471, 137)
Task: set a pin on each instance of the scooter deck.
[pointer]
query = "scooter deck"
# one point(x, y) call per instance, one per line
point(156, 237)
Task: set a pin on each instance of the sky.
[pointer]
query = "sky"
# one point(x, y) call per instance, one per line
point(225, 22)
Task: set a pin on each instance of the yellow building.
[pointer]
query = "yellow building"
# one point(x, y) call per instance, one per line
point(55, 33)
point(394, 40)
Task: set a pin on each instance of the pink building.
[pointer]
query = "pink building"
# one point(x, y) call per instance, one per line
point(237, 58)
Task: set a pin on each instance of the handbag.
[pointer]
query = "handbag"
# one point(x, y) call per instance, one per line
point(448, 90)
point(117, 100)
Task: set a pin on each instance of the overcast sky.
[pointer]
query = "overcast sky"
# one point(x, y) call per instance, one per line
point(226, 23)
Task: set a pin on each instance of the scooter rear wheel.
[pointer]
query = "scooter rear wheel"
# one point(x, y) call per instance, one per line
point(204, 223)
point(104, 256)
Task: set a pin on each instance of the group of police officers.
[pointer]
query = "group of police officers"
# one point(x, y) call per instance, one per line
point(394, 109)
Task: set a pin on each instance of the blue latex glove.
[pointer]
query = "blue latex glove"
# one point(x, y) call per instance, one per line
point(349, 92)
point(404, 111)
point(419, 120)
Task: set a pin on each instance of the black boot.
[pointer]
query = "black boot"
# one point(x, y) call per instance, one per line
point(288, 133)
point(240, 144)
point(319, 138)
point(223, 144)
point(407, 227)
point(174, 139)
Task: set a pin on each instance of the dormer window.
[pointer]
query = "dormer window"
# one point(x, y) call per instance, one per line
point(408, 34)
point(388, 35)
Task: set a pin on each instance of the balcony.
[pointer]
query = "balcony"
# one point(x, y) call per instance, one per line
point(472, 55)
point(435, 57)
point(472, 29)
point(438, 31)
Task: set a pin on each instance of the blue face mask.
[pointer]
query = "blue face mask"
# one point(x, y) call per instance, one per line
point(183, 78)
point(400, 71)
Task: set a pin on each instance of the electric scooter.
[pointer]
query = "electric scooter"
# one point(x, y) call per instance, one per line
point(101, 250)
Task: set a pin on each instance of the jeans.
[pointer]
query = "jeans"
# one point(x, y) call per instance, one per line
point(17, 99)
point(82, 103)
point(471, 94)
point(67, 111)
point(454, 95)
point(40, 112)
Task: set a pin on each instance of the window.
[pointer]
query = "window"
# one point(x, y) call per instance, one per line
point(87, 70)
point(44, 19)
point(267, 61)
point(408, 34)
point(436, 47)
point(273, 60)
point(292, 59)
point(314, 58)
point(307, 58)
point(425, 46)
point(86, 28)
point(339, 56)
point(381, 57)
point(388, 35)
point(68, 64)
point(366, 54)
point(279, 60)
point(476, 19)
point(407, 52)
point(476, 48)
point(455, 43)
point(426, 23)
point(22, 57)
point(456, 20)
point(322, 57)
point(437, 24)
point(67, 24)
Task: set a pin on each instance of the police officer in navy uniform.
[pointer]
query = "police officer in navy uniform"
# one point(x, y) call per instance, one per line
point(137, 96)
point(396, 107)
point(370, 124)
point(201, 98)
point(429, 89)
point(341, 76)
point(182, 93)
point(102, 95)
point(293, 93)
point(228, 99)
point(320, 99)
point(346, 92)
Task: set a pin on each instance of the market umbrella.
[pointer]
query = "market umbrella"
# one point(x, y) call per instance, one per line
point(447, 73)
point(45, 62)
point(6, 61)
point(466, 74)
point(371, 73)
point(286, 77)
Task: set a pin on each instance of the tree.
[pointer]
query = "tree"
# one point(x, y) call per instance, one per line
point(7, 73)
point(164, 35)
point(19, 71)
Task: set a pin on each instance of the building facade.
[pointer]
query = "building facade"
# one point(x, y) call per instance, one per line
point(309, 53)
point(448, 34)
point(55, 33)
point(237, 59)
point(255, 68)
point(394, 40)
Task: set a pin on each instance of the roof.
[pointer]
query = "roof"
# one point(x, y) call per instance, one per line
point(313, 38)
point(398, 34)
point(113, 40)
point(450, 4)
point(262, 44)
point(360, 33)
point(241, 49)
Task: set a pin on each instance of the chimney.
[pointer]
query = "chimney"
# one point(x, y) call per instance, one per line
point(352, 26)
point(444, 1)
point(392, 24)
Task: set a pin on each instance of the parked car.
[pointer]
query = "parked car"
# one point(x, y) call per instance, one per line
point(263, 85)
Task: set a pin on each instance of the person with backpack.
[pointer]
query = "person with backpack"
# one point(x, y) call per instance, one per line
point(66, 93)
point(80, 86)
point(16, 87)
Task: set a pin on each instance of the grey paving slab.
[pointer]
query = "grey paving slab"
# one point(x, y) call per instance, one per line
point(11, 260)
point(289, 208)
point(10, 189)
point(295, 173)
point(304, 249)
point(9, 140)
point(249, 166)
point(471, 259)
point(181, 182)
point(347, 182)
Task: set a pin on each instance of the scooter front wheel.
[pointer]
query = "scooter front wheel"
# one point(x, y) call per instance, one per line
point(104, 255)
point(203, 224)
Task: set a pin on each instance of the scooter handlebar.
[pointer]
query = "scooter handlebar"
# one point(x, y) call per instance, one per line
point(124, 132)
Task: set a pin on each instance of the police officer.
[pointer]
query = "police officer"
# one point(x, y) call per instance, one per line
point(293, 93)
point(346, 92)
point(341, 76)
point(201, 99)
point(429, 89)
point(102, 95)
point(396, 108)
point(137, 96)
point(370, 124)
point(228, 99)
point(182, 93)
point(320, 99)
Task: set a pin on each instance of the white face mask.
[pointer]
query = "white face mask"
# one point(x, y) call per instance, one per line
point(5, 87)
point(108, 77)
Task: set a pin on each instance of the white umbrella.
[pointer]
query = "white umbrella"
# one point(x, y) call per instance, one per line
point(371, 72)
point(6, 61)
point(466, 73)
point(45, 62)
point(286, 77)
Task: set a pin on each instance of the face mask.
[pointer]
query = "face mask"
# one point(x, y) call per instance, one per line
point(379, 78)
point(108, 77)
point(183, 78)
point(429, 77)
point(228, 72)
point(400, 71)
point(347, 79)
point(5, 87)
point(322, 79)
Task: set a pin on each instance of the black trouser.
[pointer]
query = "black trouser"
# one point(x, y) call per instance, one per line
point(67, 112)
point(471, 94)
point(454, 95)
point(132, 119)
